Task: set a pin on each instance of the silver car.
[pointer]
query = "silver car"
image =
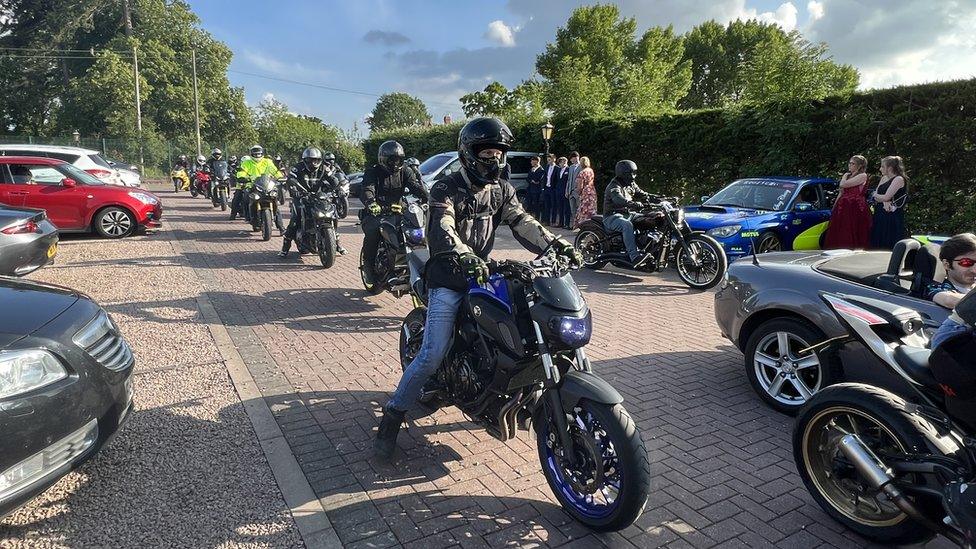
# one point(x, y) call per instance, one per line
point(28, 240)
point(770, 307)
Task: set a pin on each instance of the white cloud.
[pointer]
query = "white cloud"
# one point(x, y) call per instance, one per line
point(500, 33)
point(815, 9)
point(784, 16)
point(268, 96)
point(277, 67)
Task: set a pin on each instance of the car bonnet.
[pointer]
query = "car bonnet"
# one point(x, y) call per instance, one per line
point(27, 306)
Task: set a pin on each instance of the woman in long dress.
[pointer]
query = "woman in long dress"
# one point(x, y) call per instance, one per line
point(888, 225)
point(586, 190)
point(850, 222)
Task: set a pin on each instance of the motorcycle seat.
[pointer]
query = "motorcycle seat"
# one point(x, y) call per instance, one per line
point(597, 218)
point(915, 362)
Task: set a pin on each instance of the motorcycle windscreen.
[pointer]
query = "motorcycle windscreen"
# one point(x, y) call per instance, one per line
point(560, 293)
point(220, 170)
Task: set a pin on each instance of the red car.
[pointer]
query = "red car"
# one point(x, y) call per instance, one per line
point(75, 200)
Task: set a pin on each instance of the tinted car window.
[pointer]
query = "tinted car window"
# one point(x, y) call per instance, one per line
point(67, 157)
point(5, 177)
point(430, 165)
point(520, 164)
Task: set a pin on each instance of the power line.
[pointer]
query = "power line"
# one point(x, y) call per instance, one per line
point(56, 50)
point(329, 88)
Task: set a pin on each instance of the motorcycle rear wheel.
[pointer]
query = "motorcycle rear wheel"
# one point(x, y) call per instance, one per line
point(885, 424)
point(267, 221)
point(590, 244)
point(609, 491)
point(327, 246)
point(702, 263)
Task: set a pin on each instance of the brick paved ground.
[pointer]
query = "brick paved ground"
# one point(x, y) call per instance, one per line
point(324, 357)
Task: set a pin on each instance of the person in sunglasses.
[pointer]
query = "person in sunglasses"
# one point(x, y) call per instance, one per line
point(958, 257)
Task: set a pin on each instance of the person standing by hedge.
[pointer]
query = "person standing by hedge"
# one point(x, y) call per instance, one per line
point(888, 224)
point(850, 222)
point(561, 217)
point(586, 191)
point(533, 191)
point(549, 191)
point(571, 189)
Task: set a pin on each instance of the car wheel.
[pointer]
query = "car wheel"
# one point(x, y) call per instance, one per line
point(114, 223)
point(769, 242)
point(779, 374)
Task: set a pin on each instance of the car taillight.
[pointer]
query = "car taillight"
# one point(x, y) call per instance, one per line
point(100, 173)
point(23, 228)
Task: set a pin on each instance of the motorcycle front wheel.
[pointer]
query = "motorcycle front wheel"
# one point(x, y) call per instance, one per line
point(701, 262)
point(411, 338)
point(193, 190)
point(327, 246)
point(223, 200)
point(607, 487)
point(884, 423)
point(342, 207)
point(267, 221)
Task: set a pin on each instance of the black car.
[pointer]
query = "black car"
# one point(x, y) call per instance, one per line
point(771, 307)
point(28, 240)
point(65, 385)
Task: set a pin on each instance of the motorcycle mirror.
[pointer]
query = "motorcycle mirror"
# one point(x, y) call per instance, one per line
point(68, 182)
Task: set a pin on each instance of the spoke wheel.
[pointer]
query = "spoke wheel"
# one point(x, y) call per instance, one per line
point(701, 263)
point(114, 223)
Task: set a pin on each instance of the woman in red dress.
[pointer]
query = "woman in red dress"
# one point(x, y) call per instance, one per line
point(850, 221)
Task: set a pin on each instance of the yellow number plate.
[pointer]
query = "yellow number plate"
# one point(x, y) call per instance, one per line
point(52, 250)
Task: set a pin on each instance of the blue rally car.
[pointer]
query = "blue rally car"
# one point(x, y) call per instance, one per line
point(775, 213)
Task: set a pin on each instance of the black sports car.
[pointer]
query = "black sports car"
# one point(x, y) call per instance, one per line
point(770, 307)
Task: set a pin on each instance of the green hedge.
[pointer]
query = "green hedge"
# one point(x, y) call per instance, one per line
point(694, 153)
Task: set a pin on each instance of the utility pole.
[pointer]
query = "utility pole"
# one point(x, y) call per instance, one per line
point(135, 65)
point(196, 99)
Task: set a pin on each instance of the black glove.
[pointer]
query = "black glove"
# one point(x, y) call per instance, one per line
point(567, 250)
point(474, 267)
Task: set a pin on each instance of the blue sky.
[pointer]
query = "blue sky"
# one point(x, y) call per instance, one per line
point(439, 49)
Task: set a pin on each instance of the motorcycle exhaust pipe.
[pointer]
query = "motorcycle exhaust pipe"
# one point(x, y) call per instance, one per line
point(878, 476)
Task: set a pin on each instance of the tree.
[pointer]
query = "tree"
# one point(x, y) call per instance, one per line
point(596, 66)
point(524, 103)
point(795, 70)
point(395, 110)
point(721, 57)
point(282, 132)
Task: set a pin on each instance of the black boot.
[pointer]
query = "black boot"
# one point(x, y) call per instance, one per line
point(285, 246)
point(387, 433)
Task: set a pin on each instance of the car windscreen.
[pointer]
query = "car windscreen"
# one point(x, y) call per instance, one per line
point(756, 194)
point(97, 159)
point(79, 175)
point(434, 163)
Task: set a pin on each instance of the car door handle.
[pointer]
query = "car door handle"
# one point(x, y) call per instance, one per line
point(19, 193)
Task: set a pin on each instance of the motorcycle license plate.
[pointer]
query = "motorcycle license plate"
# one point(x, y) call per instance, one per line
point(52, 250)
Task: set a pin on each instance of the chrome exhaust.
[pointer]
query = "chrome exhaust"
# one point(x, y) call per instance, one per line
point(878, 476)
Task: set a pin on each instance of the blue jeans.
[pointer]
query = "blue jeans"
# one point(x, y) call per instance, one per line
point(442, 308)
point(622, 224)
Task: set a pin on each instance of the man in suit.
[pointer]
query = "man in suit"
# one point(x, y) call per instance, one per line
point(572, 193)
point(533, 193)
point(561, 177)
point(549, 190)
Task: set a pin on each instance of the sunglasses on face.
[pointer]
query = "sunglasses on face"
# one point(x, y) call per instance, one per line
point(965, 262)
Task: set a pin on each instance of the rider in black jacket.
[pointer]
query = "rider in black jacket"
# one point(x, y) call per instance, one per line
point(307, 177)
point(466, 208)
point(383, 187)
point(621, 200)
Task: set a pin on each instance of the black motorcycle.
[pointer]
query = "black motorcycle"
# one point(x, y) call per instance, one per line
point(399, 227)
point(264, 206)
point(342, 198)
point(220, 185)
point(897, 469)
point(317, 231)
point(663, 234)
point(516, 361)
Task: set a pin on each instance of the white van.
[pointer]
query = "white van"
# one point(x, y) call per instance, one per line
point(444, 164)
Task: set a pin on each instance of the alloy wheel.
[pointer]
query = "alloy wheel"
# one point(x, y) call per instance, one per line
point(786, 376)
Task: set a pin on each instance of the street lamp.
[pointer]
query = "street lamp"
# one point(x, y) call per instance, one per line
point(76, 135)
point(546, 136)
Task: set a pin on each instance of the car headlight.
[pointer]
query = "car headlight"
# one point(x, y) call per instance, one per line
point(724, 232)
point(145, 198)
point(572, 332)
point(23, 371)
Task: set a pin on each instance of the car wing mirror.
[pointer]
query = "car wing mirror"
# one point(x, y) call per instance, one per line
point(68, 182)
point(704, 198)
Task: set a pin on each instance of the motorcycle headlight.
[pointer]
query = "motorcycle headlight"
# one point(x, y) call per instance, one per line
point(319, 213)
point(145, 198)
point(255, 196)
point(724, 231)
point(23, 371)
point(571, 331)
point(415, 236)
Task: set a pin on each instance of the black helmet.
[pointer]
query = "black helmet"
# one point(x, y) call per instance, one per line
point(480, 134)
point(277, 158)
point(257, 151)
point(391, 156)
point(216, 153)
point(312, 157)
point(626, 171)
point(329, 158)
point(411, 162)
